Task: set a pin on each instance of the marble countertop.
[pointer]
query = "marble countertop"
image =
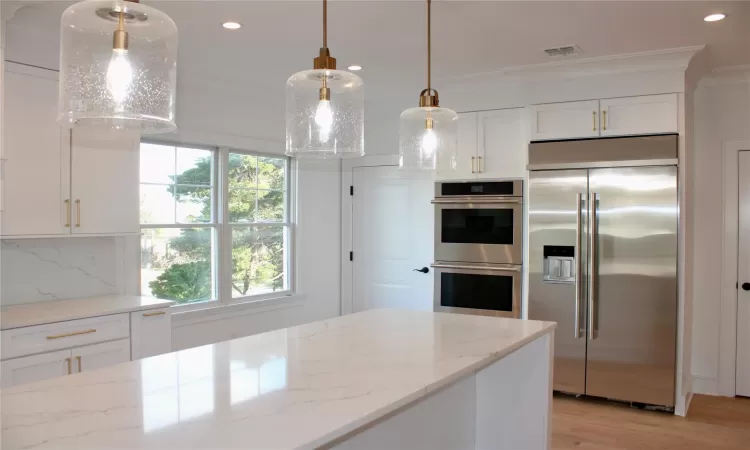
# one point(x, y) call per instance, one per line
point(295, 388)
point(40, 313)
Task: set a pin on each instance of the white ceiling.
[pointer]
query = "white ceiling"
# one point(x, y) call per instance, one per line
point(388, 37)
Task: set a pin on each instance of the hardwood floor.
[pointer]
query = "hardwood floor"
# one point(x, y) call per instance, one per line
point(713, 423)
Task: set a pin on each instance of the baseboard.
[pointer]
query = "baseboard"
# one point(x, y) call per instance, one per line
point(705, 385)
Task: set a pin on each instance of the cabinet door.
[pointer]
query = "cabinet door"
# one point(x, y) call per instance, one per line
point(97, 356)
point(465, 162)
point(647, 114)
point(502, 144)
point(104, 190)
point(564, 120)
point(150, 333)
point(36, 166)
point(35, 368)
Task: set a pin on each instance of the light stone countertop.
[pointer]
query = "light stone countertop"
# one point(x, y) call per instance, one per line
point(295, 388)
point(40, 313)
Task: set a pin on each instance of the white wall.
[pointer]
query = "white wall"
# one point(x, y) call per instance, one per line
point(722, 112)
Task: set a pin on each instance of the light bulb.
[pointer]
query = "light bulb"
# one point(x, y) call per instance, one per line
point(429, 143)
point(119, 75)
point(324, 119)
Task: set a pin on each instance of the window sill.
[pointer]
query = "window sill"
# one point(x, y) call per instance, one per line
point(217, 311)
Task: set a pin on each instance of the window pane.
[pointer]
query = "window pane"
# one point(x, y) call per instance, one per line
point(242, 171)
point(157, 163)
point(193, 204)
point(270, 206)
point(176, 263)
point(242, 205)
point(271, 173)
point(157, 204)
point(194, 166)
point(258, 260)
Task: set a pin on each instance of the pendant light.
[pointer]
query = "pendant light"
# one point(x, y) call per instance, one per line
point(118, 66)
point(428, 132)
point(325, 109)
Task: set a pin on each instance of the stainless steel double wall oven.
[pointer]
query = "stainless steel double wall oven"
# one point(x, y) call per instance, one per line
point(479, 247)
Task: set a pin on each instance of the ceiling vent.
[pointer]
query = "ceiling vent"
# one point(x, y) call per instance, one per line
point(566, 50)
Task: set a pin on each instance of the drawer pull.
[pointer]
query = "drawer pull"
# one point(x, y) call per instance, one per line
point(158, 313)
point(78, 358)
point(75, 333)
point(68, 360)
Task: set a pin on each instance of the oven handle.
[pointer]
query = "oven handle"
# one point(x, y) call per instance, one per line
point(469, 201)
point(459, 266)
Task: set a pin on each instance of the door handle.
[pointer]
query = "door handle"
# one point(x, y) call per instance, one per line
point(594, 263)
point(78, 359)
point(67, 213)
point(578, 261)
point(472, 165)
point(604, 120)
point(78, 212)
point(479, 164)
point(746, 286)
point(68, 360)
point(423, 270)
point(594, 120)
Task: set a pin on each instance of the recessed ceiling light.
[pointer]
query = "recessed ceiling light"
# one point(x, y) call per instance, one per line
point(232, 25)
point(354, 67)
point(714, 17)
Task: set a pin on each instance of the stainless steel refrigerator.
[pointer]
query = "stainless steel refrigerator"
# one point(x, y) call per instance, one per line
point(603, 223)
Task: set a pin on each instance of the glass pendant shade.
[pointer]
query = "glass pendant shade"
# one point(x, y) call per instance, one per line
point(130, 85)
point(427, 134)
point(320, 127)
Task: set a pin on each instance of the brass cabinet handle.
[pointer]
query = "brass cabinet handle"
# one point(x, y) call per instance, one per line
point(479, 164)
point(472, 165)
point(78, 212)
point(75, 333)
point(78, 358)
point(68, 360)
point(158, 313)
point(604, 120)
point(594, 113)
point(67, 213)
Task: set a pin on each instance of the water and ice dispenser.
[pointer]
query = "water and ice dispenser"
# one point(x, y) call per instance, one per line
point(559, 264)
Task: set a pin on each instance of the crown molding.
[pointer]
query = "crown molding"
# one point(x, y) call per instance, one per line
point(676, 59)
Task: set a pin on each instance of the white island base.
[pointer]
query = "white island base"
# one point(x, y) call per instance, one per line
point(379, 380)
point(505, 406)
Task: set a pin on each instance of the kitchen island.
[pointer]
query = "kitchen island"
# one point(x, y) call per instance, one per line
point(382, 379)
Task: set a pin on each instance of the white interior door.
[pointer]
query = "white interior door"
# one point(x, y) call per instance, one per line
point(392, 235)
point(743, 270)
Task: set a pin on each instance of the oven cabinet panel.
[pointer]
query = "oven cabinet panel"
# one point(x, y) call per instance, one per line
point(502, 148)
point(479, 232)
point(463, 165)
point(482, 290)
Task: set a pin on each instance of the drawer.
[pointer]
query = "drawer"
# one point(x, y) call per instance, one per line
point(55, 336)
point(150, 333)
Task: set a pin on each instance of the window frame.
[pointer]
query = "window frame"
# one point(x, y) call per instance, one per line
point(221, 254)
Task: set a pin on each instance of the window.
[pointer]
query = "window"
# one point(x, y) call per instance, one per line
point(215, 224)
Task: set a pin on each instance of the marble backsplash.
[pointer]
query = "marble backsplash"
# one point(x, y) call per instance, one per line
point(34, 270)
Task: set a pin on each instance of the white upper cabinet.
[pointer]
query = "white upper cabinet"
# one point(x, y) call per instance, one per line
point(465, 159)
point(564, 120)
point(104, 182)
point(502, 149)
point(35, 152)
point(51, 189)
point(491, 144)
point(647, 114)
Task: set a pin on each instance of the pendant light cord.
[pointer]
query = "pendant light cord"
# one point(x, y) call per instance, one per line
point(325, 23)
point(429, 50)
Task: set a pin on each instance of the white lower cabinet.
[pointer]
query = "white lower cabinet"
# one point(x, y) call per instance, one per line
point(96, 356)
point(35, 368)
point(150, 333)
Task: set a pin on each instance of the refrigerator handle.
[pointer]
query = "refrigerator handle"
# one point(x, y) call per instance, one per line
point(594, 264)
point(578, 269)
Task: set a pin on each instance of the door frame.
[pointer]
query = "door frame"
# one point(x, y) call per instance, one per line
point(347, 205)
point(729, 293)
